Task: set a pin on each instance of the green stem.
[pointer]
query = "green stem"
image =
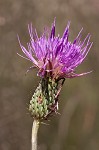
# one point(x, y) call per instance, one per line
point(34, 134)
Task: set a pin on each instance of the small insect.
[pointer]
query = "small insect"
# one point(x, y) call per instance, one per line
point(40, 100)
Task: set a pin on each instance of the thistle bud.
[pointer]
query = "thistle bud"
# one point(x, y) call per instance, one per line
point(44, 100)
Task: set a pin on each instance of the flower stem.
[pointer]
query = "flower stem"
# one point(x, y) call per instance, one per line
point(34, 134)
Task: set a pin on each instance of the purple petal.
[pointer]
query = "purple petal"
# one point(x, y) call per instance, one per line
point(53, 30)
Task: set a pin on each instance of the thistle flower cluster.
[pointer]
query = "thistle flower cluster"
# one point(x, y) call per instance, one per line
point(56, 59)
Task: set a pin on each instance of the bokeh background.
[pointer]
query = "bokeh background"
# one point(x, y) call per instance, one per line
point(77, 128)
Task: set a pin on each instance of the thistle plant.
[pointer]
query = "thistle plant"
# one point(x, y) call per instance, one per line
point(56, 59)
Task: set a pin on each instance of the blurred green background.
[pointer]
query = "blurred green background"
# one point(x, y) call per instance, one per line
point(77, 128)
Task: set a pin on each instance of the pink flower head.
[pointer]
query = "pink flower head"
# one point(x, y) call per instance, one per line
point(56, 56)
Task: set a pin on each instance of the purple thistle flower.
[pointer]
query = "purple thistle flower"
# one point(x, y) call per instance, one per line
point(56, 56)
